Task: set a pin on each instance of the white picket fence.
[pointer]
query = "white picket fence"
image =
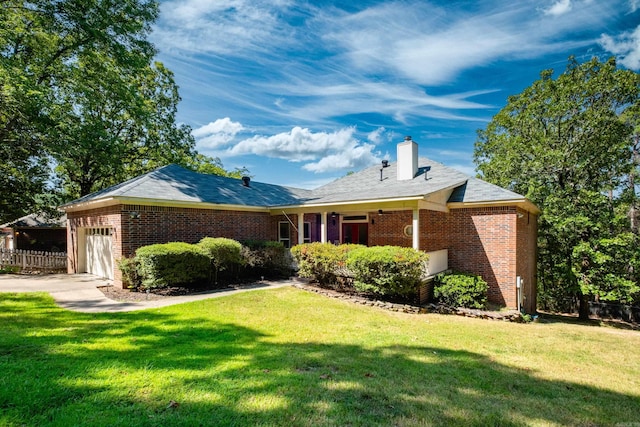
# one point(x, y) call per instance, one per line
point(33, 260)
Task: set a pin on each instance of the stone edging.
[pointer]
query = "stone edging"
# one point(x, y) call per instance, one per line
point(507, 316)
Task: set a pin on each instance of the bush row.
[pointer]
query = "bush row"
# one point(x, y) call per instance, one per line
point(389, 271)
point(384, 270)
point(210, 261)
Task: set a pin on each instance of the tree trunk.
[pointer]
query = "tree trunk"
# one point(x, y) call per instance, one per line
point(583, 310)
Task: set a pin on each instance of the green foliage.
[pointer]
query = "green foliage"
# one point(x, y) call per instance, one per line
point(461, 290)
point(44, 47)
point(115, 122)
point(225, 254)
point(129, 269)
point(600, 268)
point(9, 269)
point(172, 264)
point(266, 258)
point(387, 270)
point(213, 166)
point(321, 261)
point(565, 144)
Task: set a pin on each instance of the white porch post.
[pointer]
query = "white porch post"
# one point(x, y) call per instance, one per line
point(300, 228)
point(323, 227)
point(415, 224)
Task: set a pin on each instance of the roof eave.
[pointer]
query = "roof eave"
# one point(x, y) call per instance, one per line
point(521, 203)
point(112, 201)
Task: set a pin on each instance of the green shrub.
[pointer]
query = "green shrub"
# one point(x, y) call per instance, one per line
point(321, 261)
point(266, 258)
point(9, 269)
point(461, 290)
point(224, 254)
point(387, 270)
point(172, 264)
point(130, 277)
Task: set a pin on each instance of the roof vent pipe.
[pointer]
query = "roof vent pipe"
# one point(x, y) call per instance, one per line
point(246, 180)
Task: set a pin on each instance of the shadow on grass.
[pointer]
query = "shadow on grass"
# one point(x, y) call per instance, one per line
point(548, 317)
point(64, 368)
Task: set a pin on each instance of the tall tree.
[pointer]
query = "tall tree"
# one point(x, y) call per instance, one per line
point(41, 43)
point(564, 144)
point(113, 123)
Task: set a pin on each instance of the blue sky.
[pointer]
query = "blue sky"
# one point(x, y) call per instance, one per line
point(301, 93)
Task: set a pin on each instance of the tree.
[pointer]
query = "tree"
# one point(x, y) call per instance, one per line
point(213, 166)
point(113, 124)
point(41, 43)
point(565, 145)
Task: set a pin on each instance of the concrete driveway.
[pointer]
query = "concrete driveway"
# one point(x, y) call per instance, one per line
point(79, 292)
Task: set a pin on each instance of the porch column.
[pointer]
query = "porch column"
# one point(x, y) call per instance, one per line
point(300, 228)
point(416, 229)
point(323, 227)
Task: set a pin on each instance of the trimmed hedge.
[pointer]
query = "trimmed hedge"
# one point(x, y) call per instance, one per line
point(461, 290)
point(130, 277)
point(224, 254)
point(322, 261)
point(172, 264)
point(387, 270)
point(266, 258)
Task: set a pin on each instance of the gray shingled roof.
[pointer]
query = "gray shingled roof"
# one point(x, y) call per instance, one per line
point(174, 183)
point(477, 190)
point(367, 185)
point(38, 220)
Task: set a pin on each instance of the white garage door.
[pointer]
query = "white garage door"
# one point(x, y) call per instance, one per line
point(99, 252)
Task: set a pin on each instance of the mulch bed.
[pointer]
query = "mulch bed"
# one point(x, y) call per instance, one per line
point(127, 295)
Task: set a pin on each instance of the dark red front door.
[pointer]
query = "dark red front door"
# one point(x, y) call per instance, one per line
point(355, 233)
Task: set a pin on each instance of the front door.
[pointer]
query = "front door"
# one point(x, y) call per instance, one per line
point(353, 232)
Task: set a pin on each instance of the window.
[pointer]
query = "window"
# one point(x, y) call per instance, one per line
point(307, 232)
point(284, 234)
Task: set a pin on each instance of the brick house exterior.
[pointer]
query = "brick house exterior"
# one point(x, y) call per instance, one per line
point(470, 225)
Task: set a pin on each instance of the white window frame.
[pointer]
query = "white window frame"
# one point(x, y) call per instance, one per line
point(286, 241)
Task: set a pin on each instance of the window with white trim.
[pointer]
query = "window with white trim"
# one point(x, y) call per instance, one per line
point(284, 234)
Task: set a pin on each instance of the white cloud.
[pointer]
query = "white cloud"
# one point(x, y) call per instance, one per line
point(356, 157)
point(217, 134)
point(219, 27)
point(560, 7)
point(625, 46)
point(432, 44)
point(299, 144)
point(324, 151)
point(377, 135)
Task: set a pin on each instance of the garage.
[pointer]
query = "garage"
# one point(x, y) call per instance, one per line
point(99, 252)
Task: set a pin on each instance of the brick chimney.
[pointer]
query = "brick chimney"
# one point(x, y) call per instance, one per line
point(407, 159)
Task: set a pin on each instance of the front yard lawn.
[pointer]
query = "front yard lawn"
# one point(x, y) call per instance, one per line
point(292, 358)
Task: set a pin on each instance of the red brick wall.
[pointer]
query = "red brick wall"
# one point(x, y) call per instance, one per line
point(434, 230)
point(158, 224)
point(387, 229)
point(483, 241)
point(102, 217)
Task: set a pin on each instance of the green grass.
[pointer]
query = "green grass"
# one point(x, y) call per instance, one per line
point(292, 358)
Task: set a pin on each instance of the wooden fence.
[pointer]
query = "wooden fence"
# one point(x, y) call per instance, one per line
point(33, 260)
